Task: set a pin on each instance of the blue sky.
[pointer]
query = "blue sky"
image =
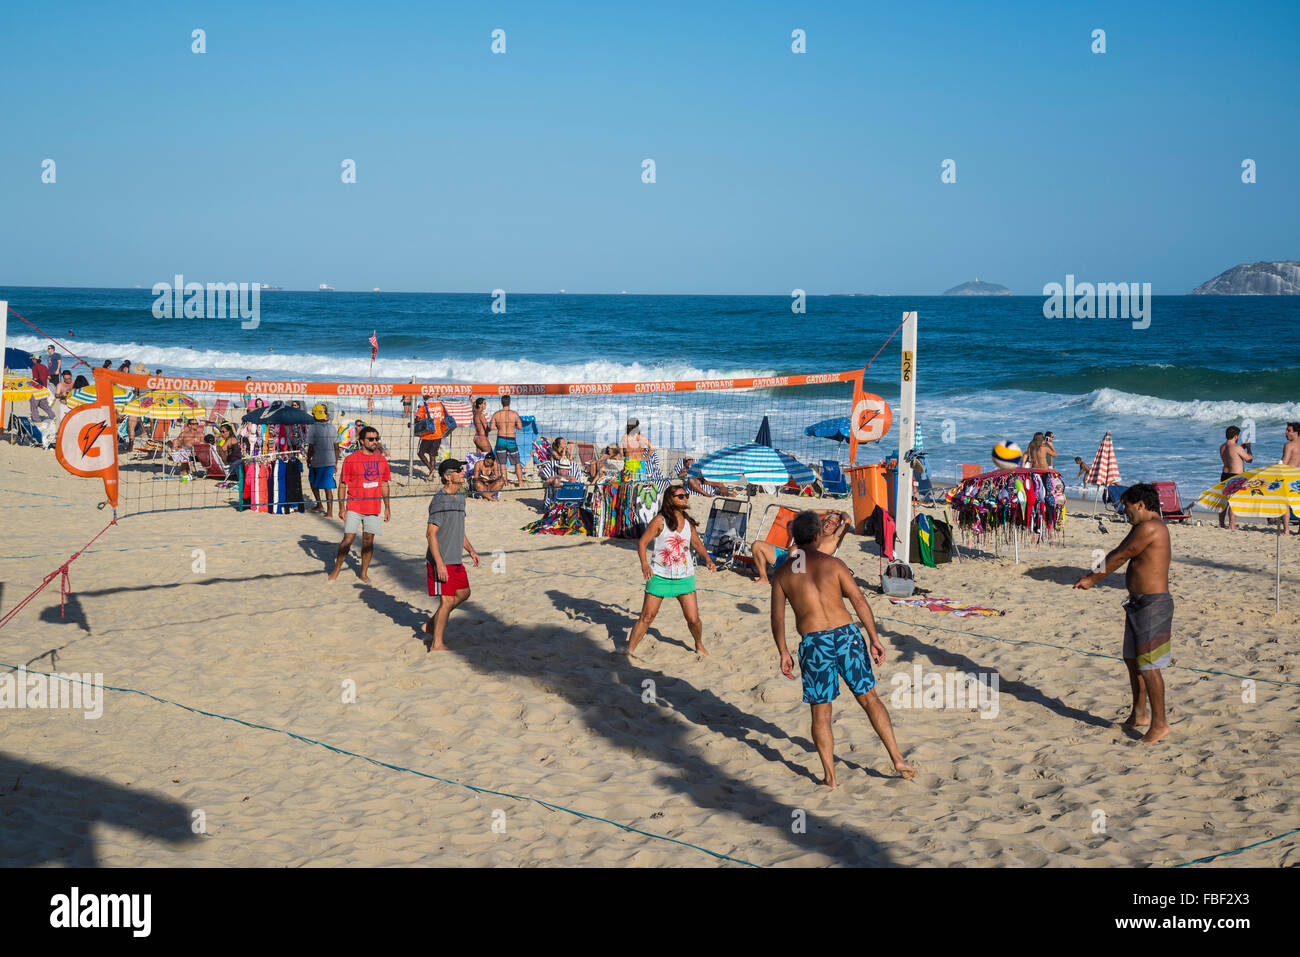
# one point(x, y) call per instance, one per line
point(774, 170)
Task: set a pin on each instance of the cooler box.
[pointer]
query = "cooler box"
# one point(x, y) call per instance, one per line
point(869, 487)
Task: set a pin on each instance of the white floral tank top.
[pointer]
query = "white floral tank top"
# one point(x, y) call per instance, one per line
point(670, 553)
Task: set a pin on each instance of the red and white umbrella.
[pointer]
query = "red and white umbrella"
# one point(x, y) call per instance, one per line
point(1104, 469)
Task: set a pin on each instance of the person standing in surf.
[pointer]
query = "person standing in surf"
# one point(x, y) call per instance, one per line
point(1234, 459)
point(505, 421)
point(831, 646)
point(1149, 610)
point(671, 538)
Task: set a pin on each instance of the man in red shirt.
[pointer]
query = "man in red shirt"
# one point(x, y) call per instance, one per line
point(362, 483)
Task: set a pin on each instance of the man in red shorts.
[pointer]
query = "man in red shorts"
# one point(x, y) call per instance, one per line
point(362, 483)
point(446, 536)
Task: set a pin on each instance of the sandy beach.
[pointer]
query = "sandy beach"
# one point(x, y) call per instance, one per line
point(534, 701)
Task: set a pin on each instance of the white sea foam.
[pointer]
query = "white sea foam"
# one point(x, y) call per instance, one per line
point(293, 365)
point(1112, 401)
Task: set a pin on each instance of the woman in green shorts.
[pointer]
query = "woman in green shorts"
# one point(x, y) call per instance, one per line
point(669, 570)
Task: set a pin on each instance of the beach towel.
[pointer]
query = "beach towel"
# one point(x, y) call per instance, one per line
point(560, 519)
point(945, 605)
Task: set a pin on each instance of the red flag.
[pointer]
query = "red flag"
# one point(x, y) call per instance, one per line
point(374, 346)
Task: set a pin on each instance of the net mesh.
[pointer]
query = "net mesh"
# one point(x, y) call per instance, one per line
point(184, 443)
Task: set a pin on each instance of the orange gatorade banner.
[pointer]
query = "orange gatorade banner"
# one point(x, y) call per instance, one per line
point(87, 438)
point(289, 388)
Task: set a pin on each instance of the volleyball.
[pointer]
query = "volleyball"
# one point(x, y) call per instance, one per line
point(1007, 455)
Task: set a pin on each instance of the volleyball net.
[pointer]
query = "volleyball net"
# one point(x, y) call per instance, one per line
point(180, 442)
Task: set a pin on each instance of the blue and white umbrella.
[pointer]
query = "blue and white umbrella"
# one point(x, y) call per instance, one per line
point(752, 463)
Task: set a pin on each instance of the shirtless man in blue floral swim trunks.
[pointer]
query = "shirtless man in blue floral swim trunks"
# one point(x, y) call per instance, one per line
point(816, 585)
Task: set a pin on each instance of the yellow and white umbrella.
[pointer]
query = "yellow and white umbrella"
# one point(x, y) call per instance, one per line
point(88, 394)
point(18, 386)
point(165, 405)
point(1269, 492)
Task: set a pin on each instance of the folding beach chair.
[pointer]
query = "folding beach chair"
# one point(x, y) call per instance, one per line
point(833, 481)
point(570, 493)
point(156, 443)
point(778, 533)
point(1170, 509)
point(218, 413)
point(25, 432)
point(207, 458)
point(586, 454)
point(175, 458)
point(1111, 494)
point(724, 534)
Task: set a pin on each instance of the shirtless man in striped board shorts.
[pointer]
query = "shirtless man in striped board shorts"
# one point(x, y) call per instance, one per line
point(1149, 611)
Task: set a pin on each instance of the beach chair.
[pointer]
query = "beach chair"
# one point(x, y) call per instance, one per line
point(24, 432)
point(778, 533)
point(724, 533)
point(218, 413)
point(833, 481)
point(1170, 509)
point(156, 442)
point(570, 493)
point(1111, 494)
point(207, 458)
point(175, 458)
point(586, 454)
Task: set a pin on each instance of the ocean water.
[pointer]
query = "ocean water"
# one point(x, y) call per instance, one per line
point(988, 368)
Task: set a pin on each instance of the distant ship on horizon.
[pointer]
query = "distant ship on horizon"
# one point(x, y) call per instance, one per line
point(325, 288)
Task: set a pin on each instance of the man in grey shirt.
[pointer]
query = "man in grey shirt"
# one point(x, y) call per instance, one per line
point(445, 534)
point(322, 454)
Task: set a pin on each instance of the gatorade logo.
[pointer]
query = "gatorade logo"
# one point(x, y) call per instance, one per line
point(871, 418)
point(86, 441)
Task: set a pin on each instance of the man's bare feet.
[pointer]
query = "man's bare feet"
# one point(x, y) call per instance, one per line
point(1136, 720)
point(365, 578)
point(332, 575)
point(830, 781)
point(428, 641)
point(905, 770)
point(701, 650)
point(1155, 734)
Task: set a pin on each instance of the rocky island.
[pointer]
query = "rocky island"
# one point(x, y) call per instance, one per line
point(978, 288)
point(1260, 279)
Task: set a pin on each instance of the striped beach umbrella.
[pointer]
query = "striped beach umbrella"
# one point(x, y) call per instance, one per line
point(88, 394)
point(1104, 469)
point(1269, 492)
point(752, 463)
point(165, 405)
point(918, 442)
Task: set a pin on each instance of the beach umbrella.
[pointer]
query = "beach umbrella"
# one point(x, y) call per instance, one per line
point(836, 429)
point(918, 443)
point(752, 463)
point(1104, 469)
point(1269, 492)
point(277, 413)
point(764, 436)
point(18, 386)
point(164, 405)
point(88, 394)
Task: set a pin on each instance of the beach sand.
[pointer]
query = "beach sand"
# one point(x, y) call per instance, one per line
point(533, 700)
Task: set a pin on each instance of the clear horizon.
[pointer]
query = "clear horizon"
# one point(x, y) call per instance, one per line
point(774, 170)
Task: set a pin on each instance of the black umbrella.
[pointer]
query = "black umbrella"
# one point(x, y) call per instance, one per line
point(277, 413)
